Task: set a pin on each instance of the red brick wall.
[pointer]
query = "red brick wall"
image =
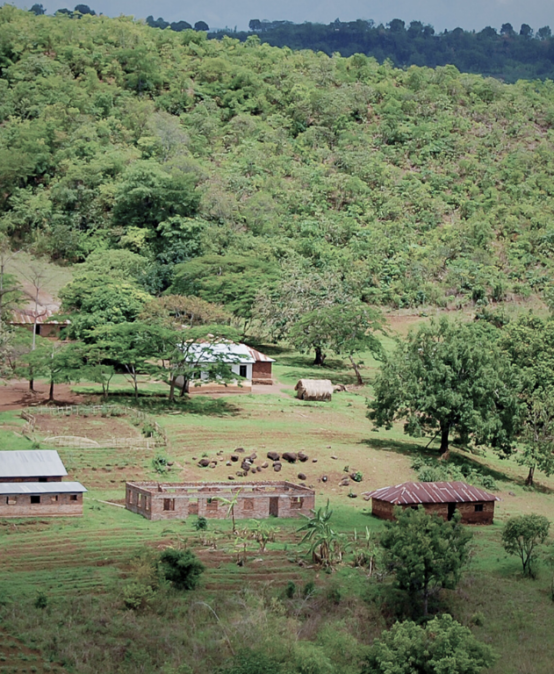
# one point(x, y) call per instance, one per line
point(20, 506)
point(385, 511)
point(261, 373)
point(29, 479)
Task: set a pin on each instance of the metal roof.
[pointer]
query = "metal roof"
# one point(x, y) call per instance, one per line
point(227, 352)
point(41, 488)
point(411, 493)
point(27, 317)
point(31, 463)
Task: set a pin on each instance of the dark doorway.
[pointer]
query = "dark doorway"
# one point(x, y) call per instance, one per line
point(274, 506)
point(243, 370)
point(451, 510)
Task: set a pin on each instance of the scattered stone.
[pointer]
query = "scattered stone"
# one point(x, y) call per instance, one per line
point(214, 461)
point(170, 463)
point(302, 457)
point(277, 467)
point(273, 456)
point(301, 476)
point(212, 465)
point(259, 469)
point(229, 463)
point(265, 464)
point(194, 458)
point(290, 457)
point(351, 495)
point(239, 473)
point(204, 463)
point(512, 493)
point(230, 477)
point(367, 497)
point(324, 478)
point(328, 446)
point(245, 467)
point(234, 457)
point(334, 457)
point(344, 482)
point(314, 460)
point(253, 456)
point(239, 449)
point(220, 452)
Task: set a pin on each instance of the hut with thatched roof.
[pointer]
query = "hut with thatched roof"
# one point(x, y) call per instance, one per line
point(314, 389)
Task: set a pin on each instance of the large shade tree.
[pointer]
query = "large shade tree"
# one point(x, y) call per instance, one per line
point(445, 377)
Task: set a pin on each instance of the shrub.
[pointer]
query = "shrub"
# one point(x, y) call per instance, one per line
point(309, 589)
point(159, 464)
point(201, 524)
point(357, 477)
point(137, 596)
point(488, 482)
point(290, 589)
point(41, 600)
point(252, 662)
point(181, 567)
point(429, 474)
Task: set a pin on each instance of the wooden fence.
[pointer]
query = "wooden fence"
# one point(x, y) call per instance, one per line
point(158, 439)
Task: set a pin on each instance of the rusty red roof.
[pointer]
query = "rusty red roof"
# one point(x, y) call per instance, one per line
point(410, 493)
point(259, 356)
point(27, 317)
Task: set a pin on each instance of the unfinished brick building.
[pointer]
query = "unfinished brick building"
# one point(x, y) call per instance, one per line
point(442, 498)
point(256, 500)
point(31, 486)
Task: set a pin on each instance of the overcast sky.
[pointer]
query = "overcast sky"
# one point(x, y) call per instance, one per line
point(467, 14)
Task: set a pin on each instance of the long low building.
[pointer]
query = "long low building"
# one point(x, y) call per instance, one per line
point(31, 486)
point(476, 506)
point(256, 500)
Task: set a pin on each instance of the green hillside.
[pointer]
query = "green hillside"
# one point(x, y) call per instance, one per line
point(405, 187)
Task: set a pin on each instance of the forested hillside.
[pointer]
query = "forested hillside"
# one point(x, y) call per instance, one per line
point(271, 167)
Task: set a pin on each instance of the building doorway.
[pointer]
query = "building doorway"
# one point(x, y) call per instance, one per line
point(274, 506)
point(451, 510)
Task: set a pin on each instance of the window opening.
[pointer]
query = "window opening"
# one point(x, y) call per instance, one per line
point(35, 499)
point(478, 507)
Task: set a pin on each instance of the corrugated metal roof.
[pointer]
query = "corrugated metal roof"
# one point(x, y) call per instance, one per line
point(27, 317)
point(411, 493)
point(41, 488)
point(258, 356)
point(31, 463)
point(228, 352)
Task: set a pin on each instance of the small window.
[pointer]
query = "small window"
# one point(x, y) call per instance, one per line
point(54, 498)
point(248, 504)
point(11, 500)
point(35, 499)
point(478, 507)
point(296, 502)
point(129, 496)
point(243, 370)
point(169, 504)
point(73, 497)
point(43, 479)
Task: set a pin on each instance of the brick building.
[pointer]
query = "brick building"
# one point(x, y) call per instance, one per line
point(46, 326)
point(442, 498)
point(31, 486)
point(257, 500)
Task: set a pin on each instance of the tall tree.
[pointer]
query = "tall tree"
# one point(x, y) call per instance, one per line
point(446, 377)
point(425, 552)
point(522, 535)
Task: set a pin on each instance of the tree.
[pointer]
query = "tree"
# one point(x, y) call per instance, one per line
point(37, 9)
point(529, 342)
point(326, 545)
point(231, 503)
point(84, 9)
point(345, 330)
point(135, 346)
point(10, 290)
point(201, 25)
point(522, 535)
point(57, 362)
point(441, 646)
point(180, 311)
point(449, 376)
point(425, 552)
point(181, 567)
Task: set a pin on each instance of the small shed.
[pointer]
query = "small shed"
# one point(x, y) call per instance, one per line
point(442, 498)
point(314, 389)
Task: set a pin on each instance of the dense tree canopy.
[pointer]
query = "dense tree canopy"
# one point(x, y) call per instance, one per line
point(406, 186)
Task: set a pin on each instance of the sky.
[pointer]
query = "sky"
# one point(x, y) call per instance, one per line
point(441, 14)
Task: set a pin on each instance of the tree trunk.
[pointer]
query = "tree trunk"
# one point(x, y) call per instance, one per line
point(319, 356)
point(425, 602)
point(530, 476)
point(444, 448)
point(185, 389)
point(357, 371)
point(31, 384)
point(172, 389)
point(51, 392)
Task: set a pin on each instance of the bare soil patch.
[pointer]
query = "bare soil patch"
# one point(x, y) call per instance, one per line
point(15, 395)
point(93, 427)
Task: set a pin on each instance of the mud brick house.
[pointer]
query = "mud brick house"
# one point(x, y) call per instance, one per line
point(442, 498)
point(46, 325)
point(31, 486)
point(256, 500)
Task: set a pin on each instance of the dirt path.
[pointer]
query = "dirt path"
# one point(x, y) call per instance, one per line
point(15, 395)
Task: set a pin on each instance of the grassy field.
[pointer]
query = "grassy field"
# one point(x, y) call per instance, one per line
point(74, 560)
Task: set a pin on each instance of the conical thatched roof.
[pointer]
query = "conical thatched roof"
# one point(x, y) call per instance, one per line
point(314, 389)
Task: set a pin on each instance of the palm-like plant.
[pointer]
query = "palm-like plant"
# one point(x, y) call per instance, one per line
point(326, 545)
point(231, 503)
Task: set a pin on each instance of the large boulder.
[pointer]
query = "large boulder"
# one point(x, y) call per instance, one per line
point(277, 467)
point(273, 456)
point(290, 457)
point(204, 463)
point(302, 457)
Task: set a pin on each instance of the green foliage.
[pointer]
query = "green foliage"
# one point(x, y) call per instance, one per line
point(201, 524)
point(253, 662)
point(41, 600)
point(442, 645)
point(326, 544)
point(425, 552)
point(181, 568)
point(159, 464)
point(522, 535)
point(449, 376)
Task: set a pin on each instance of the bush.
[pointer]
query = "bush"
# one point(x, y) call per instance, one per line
point(290, 589)
point(357, 477)
point(429, 474)
point(201, 524)
point(159, 464)
point(488, 482)
point(137, 596)
point(41, 600)
point(181, 567)
point(252, 662)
